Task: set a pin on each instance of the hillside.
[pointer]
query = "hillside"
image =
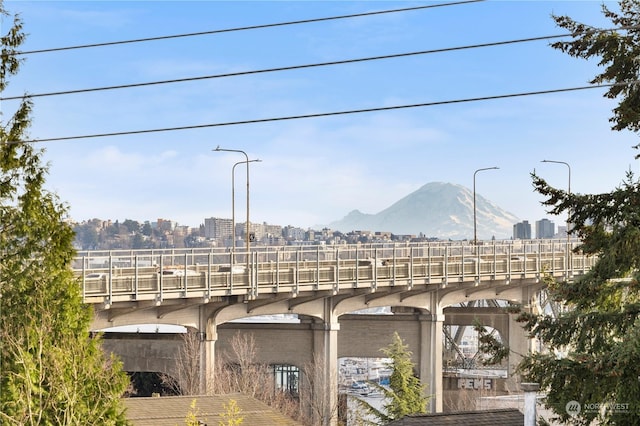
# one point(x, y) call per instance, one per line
point(437, 209)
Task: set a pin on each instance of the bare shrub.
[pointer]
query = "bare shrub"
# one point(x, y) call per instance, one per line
point(238, 371)
point(318, 397)
point(186, 376)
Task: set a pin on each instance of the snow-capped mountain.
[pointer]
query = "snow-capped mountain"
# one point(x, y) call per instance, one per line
point(441, 210)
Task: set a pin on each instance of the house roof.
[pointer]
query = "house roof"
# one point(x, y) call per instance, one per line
point(498, 417)
point(172, 410)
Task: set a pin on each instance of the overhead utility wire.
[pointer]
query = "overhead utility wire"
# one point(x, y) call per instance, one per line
point(324, 114)
point(251, 27)
point(295, 67)
point(287, 68)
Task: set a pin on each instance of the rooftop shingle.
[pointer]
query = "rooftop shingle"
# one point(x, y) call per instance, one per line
point(172, 410)
point(499, 417)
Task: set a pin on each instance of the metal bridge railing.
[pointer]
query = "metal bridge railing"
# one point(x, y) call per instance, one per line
point(156, 275)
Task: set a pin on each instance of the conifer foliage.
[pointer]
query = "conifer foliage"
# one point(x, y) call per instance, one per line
point(591, 369)
point(405, 394)
point(618, 51)
point(52, 371)
point(593, 347)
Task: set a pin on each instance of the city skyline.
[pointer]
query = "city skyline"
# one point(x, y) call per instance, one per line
point(313, 171)
point(219, 228)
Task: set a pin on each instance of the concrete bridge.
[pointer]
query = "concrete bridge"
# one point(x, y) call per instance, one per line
point(206, 289)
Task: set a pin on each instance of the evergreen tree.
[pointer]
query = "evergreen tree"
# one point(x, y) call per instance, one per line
point(618, 51)
point(52, 372)
point(593, 347)
point(405, 394)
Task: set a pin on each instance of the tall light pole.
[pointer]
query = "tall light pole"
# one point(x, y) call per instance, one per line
point(475, 227)
point(568, 188)
point(233, 200)
point(246, 238)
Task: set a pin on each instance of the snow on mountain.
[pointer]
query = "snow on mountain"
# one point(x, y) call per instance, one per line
point(442, 210)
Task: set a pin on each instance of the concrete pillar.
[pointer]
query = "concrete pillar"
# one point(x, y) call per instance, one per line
point(519, 344)
point(530, 390)
point(207, 357)
point(431, 358)
point(324, 370)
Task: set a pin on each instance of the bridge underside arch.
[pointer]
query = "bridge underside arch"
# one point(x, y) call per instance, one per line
point(145, 352)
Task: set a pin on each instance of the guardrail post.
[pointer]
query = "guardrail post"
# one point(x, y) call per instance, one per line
point(318, 268)
point(186, 277)
point(553, 258)
point(509, 251)
point(84, 279)
point(135, 277)
point(374, 270)
point(476, 268)
point(278, 272)
point(357, 266)
point(445, 265)
point(253, 282)
point(570, 259)
point(160, 278)
point(209, 260)
point(336, 284)
point(297, 273)
point(231, 264)
point(110, 283)
point(394, 263)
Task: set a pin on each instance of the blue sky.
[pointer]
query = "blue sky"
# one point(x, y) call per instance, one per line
point(313, 171)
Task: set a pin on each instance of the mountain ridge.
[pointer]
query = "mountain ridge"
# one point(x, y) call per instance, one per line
point(437, 209)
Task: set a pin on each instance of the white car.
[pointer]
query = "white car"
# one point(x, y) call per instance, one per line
point(95, 276)
point(236, 269)
point(179, 272)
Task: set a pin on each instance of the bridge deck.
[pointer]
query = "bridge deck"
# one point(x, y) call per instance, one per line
point(139, 275)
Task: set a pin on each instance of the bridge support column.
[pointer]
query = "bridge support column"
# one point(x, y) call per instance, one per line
point(323, 373)
point(519, 344)
point(431, 358)
point(207, 357)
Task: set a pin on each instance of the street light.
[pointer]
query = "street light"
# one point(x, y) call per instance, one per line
point(475, 232)
point(233, 200)
point(247, 242)
point(568, 189)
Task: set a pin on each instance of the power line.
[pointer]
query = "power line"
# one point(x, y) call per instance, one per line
point(304, 66)
point(325, 114)
point(251, 27)
point(287, 68)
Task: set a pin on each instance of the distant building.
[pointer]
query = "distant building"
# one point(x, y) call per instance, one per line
point(310, 235)
point(383, 235)
point(562, 231)
point(545, 229)
point(163, 225)
point(293, 233)
point(522, 230)
point(266, 234)
point(216, 228)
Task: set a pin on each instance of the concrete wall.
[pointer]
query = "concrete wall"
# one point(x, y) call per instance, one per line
point(277, 343)
point(144, 352)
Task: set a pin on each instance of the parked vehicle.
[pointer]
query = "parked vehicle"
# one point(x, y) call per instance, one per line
point(179, 272)
point(236, 269)
point(95, 276)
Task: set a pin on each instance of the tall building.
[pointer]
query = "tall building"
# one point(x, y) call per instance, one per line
point(522, 231)
point(164, 225)
point(545, 229)
point(217, 229)
point(293, 233)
